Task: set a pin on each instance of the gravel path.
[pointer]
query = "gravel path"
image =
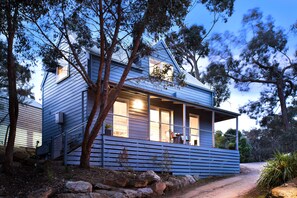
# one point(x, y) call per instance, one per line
point(231, 187)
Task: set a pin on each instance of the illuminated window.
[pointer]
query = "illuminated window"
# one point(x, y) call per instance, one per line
point(157, 69)
point(120, 119)
point(194, 130)
point(161, 124)
point(62, 72)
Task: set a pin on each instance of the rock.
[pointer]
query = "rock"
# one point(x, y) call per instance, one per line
point(78, 186)
point(112, 194)
point(190, 179)
point(102, 186)
point(145, 192)
point(137, 183)
point(116, 182)
point(81, 195)
point(284, 192)
point(42, 193)
point(176, 182)
point(131, 193)
point(170, 185)
point(150, 176)
point(159, 187)
point(196, 177)
point(184, 181)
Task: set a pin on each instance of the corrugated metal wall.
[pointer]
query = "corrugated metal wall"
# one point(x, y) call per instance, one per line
point(28, 125)
point(149, 155)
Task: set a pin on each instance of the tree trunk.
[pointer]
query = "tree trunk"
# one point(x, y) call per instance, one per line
point(12, 93)
point(85, 157)
point(197, 74)
point(282, 100)
point(13, 107)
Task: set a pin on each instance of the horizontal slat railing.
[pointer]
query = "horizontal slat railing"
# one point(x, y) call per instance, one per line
point(145, 155)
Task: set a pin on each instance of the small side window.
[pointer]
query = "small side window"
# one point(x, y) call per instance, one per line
point(62, 72)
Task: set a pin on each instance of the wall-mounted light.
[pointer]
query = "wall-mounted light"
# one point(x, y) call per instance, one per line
point(137, 104)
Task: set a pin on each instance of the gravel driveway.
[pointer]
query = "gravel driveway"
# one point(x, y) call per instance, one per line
point(228, 188)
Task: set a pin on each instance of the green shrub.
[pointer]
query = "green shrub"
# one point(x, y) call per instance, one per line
point(278, 170)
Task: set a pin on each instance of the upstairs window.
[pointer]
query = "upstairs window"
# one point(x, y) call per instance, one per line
point(62, 71)
point(161, 70)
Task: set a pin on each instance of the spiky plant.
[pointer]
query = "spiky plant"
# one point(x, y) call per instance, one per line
point(278, 170)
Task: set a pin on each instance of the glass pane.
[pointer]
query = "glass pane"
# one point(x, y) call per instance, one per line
point(120, 119)
point(165, 126)
point(154, 125)
point(194, 130)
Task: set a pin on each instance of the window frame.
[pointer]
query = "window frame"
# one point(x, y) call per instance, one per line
point(113, 115)
point(160, 63)
point(60, 79)
point(198, 129)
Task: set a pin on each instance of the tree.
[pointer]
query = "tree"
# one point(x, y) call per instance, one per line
point(12, 28)
point(264, 59)
point(190, 44)
point(227, 140)
point(111, 26)
point(219, 83)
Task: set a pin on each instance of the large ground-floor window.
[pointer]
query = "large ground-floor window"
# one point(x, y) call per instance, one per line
point(120, 119)
point(161, 124)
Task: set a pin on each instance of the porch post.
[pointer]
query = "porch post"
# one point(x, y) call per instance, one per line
point(213, 129)
point(184, 123)
point(236, 140)
point(149, 115)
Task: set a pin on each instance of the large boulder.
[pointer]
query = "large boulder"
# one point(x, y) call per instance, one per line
point(159, 188)
point(78, 186)
point(286, 190)
point(150, 176)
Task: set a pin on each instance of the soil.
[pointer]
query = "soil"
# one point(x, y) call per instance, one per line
point(31, 174)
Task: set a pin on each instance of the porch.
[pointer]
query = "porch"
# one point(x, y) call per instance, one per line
point(151, 117)
point(142, 155)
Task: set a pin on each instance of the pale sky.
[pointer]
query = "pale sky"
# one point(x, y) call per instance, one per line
point(283, 11)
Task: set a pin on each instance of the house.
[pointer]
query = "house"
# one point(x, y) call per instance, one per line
point(150, 124)
point(28, 131)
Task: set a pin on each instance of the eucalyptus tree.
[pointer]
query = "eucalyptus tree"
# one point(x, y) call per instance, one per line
point(264, 58)
point(190, 44)
point(110, 26)
point(15, 45)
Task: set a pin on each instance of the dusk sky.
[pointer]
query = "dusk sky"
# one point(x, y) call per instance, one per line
point(285, 14)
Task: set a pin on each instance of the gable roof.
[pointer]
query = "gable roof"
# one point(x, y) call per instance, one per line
point(189, 79)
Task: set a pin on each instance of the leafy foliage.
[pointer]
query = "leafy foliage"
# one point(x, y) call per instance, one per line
point(227, 140)
point(216, 77)
point(272, 137)
point(278, 170)
point(23, 75)
point(264, 59)
point(190, 44)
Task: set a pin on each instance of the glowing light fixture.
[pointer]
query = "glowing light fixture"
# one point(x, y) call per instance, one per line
point(137, 104)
